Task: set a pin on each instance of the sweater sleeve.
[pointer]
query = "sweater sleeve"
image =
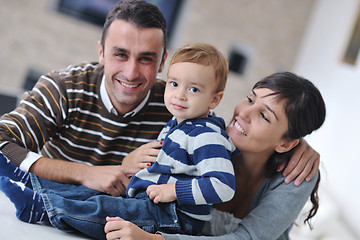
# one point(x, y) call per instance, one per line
point(275, 208)
point(216, 181)
point(34, 121)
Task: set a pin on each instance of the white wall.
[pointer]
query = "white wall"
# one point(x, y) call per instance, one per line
point(320, 60)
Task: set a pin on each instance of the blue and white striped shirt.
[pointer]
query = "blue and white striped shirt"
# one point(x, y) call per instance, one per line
point(197, 156)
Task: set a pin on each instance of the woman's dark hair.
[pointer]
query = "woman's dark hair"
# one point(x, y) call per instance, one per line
point(305, 110)
point(141, 13)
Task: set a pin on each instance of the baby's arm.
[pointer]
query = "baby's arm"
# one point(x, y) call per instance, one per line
point(215, 180)
point(162, 192)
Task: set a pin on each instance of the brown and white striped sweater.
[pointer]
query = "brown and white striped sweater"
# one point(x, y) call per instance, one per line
point(63, 117)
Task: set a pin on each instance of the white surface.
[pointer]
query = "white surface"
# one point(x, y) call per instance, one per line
point(328, 224)
point(320, 60)
point(13, 229)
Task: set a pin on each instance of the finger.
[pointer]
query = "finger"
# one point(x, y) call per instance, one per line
point(121, 185)
point(146, 160)
point(144, 165)
point(294, 161)
point(307, 169)
point(157, 199)
point(155, 144)
point(314, 170)
point(113, 235)
point(151, 145)
point(120, 190)
point(114, 192)
point(152, 152)
point(112, 225)
point(109, 219)
point(111, 190)
point(150, 194)
point(297, 170)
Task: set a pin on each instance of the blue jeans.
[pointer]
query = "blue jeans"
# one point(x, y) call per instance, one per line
point(72, 207)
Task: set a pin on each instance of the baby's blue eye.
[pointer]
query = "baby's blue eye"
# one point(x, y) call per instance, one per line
point(193, 89)
point(173, 84)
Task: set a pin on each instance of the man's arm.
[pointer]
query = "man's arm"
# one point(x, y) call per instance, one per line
point(112, 180)
point(304, 164)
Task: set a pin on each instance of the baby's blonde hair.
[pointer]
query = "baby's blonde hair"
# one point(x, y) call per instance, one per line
point(204, 54)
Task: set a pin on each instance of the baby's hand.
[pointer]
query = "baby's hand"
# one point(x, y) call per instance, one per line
point(162, 193)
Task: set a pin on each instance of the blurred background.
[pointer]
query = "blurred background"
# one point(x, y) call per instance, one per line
point(317, 39)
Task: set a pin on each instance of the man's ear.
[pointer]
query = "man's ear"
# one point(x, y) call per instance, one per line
point(162, 64)
point(216, 99)
point(286, 145)
point(101, 53)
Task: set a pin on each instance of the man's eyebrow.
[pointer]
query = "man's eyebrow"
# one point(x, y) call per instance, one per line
point(154, 54)
point(119, 49)
point(267, 107)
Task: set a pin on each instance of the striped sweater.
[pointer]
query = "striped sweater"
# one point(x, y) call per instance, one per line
point(64, 117)
point(197, 156)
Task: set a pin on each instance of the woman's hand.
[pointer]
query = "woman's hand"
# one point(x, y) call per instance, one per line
point(143, 156)
point(303, 164)
point(118, 228)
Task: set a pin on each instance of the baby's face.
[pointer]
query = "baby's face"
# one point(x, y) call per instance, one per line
point(191, 90)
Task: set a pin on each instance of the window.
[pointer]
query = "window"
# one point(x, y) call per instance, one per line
point(237, 62)
point(95, 11)
point(239, 58)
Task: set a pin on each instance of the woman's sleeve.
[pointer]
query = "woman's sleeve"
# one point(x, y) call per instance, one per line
point(277, 207)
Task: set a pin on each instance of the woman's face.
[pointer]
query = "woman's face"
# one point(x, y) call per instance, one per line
point(259, 122)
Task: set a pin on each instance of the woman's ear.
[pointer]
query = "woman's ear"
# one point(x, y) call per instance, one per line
point(216, 99)
point(286, 145)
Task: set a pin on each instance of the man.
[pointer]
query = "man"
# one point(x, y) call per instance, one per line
point(77, 120)
point(95, 113)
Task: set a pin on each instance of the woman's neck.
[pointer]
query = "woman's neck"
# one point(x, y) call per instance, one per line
point(249, 175)
point(251, 165)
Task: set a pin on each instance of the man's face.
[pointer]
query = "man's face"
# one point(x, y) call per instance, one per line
point(131, 59)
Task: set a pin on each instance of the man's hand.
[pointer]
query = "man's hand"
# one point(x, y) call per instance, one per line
point(112, 180)
point(303, 164)
point(143, 156)
point(162, 193)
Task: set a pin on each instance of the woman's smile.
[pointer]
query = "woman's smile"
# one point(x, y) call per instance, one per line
point(239, 128)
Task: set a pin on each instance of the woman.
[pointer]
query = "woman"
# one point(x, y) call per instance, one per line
point(266, 127)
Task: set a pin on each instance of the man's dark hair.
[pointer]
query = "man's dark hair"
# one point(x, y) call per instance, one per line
point(140, 13)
